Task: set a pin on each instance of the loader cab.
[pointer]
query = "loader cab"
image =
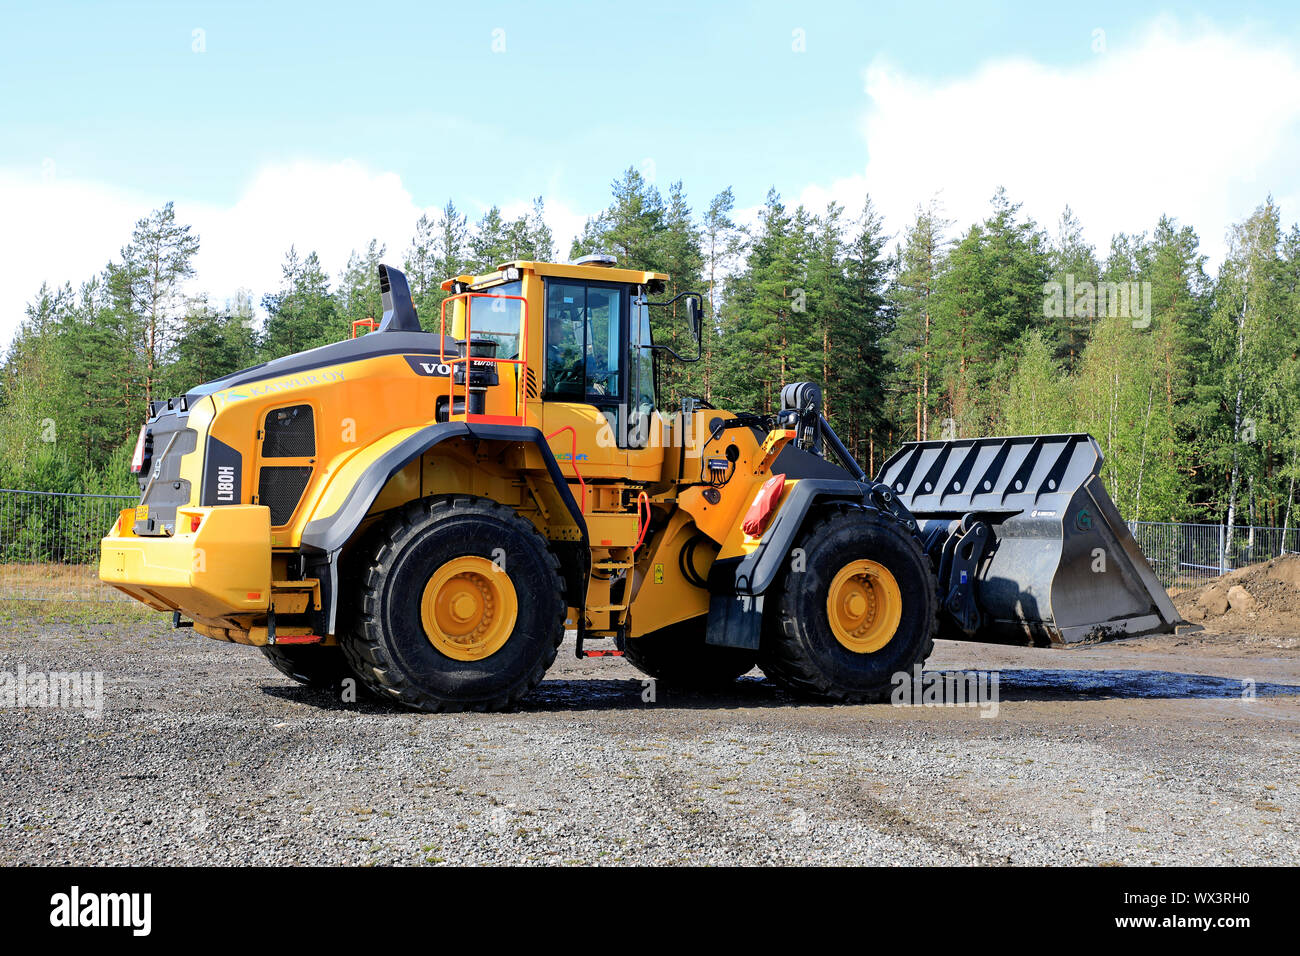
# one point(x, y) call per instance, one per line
point(574, 350)
point(598, 352)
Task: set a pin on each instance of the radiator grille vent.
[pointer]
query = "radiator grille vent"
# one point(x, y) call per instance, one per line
point(279, 487)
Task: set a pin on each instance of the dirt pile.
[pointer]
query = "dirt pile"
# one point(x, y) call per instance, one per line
point(1259, 599)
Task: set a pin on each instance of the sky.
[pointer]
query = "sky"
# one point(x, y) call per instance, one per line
point(324, 125)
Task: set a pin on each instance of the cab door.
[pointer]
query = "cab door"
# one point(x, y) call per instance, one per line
point(598, 377)
point(644, 423)
point(584, 375)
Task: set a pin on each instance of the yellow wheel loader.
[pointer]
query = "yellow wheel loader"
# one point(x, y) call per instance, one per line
point(429, 506)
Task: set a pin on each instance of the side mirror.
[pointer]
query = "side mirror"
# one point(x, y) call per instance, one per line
point(694, 304)
point(695, 315)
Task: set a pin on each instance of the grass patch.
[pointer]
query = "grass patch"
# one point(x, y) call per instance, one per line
point(17, 612)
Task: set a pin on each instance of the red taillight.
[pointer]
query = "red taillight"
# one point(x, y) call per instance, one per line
point(137, 457)
point(195, 521)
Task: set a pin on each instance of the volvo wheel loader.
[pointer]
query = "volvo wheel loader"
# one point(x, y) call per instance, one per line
point(429, 506)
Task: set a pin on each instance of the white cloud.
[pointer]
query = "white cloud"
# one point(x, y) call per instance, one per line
point(1200, 124)
point(330, 208)
point(59, 230)
point(56, 230)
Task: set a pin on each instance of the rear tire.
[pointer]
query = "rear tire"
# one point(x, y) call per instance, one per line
point(320, 667)
point(801, 650)
point(461, 607)
point(678, 655)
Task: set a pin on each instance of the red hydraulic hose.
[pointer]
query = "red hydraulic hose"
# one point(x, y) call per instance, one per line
point(642, 498)
point(574, 456)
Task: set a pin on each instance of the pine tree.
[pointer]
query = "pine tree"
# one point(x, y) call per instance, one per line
point(914, 295)
point(1073, 266)
point(722, 242)
point(766, 340)
point(148, 285)
point(630, 228)
point(680, 256)
point(358, 294)
point(421, 265)
point(857, 370)
point(489, 244)
point(990, 293)
point(541, 241)
point(215, 343)
point(303, 314)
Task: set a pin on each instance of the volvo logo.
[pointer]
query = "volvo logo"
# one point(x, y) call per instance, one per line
point(428, 365)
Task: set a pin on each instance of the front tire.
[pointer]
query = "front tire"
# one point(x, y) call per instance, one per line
point(860, 607)
point(460, 608)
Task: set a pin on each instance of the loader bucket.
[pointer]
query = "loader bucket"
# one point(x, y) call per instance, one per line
point(1059, 566)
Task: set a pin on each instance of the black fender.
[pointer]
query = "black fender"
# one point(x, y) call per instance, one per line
point(737, 584)
point(753, 573)
point(323, 539)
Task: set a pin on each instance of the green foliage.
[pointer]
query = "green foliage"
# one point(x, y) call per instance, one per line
point(146, 286)
point(213, 344)
point(1191, 384)
point(303, 313)
point(990, 292)
point(644, 232)
point(1038, 398)
point(910, 346)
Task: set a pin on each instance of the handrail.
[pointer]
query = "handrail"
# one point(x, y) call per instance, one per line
point(468, 359)
point(573, 458)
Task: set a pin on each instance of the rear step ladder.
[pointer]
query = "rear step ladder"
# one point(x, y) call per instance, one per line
point(582, 651)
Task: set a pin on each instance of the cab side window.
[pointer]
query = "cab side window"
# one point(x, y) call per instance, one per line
point(583, 342)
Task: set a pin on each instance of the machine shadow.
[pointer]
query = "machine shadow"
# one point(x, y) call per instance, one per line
point(1016, 685)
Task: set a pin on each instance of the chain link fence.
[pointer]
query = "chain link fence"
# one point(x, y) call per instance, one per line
point(49, 545)
point(1189, 555)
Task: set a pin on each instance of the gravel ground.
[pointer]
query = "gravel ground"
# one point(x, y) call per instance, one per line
point(1138, 752)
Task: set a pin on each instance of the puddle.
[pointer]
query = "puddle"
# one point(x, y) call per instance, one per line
point(1021, 684)
point(1043, 684)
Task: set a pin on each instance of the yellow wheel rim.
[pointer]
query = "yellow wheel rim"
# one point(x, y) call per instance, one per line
point(469, 608)
point(864, 606)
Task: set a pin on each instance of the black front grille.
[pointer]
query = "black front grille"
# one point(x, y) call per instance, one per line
point(279, 487)
point(161, 485)
point(289, 433)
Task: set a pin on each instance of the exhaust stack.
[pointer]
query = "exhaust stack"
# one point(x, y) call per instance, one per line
point(399, 307)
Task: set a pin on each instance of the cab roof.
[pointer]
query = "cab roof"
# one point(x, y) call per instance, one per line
point(560, 270)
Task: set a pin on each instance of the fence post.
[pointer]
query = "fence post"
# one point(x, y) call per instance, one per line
point(1223, 558)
